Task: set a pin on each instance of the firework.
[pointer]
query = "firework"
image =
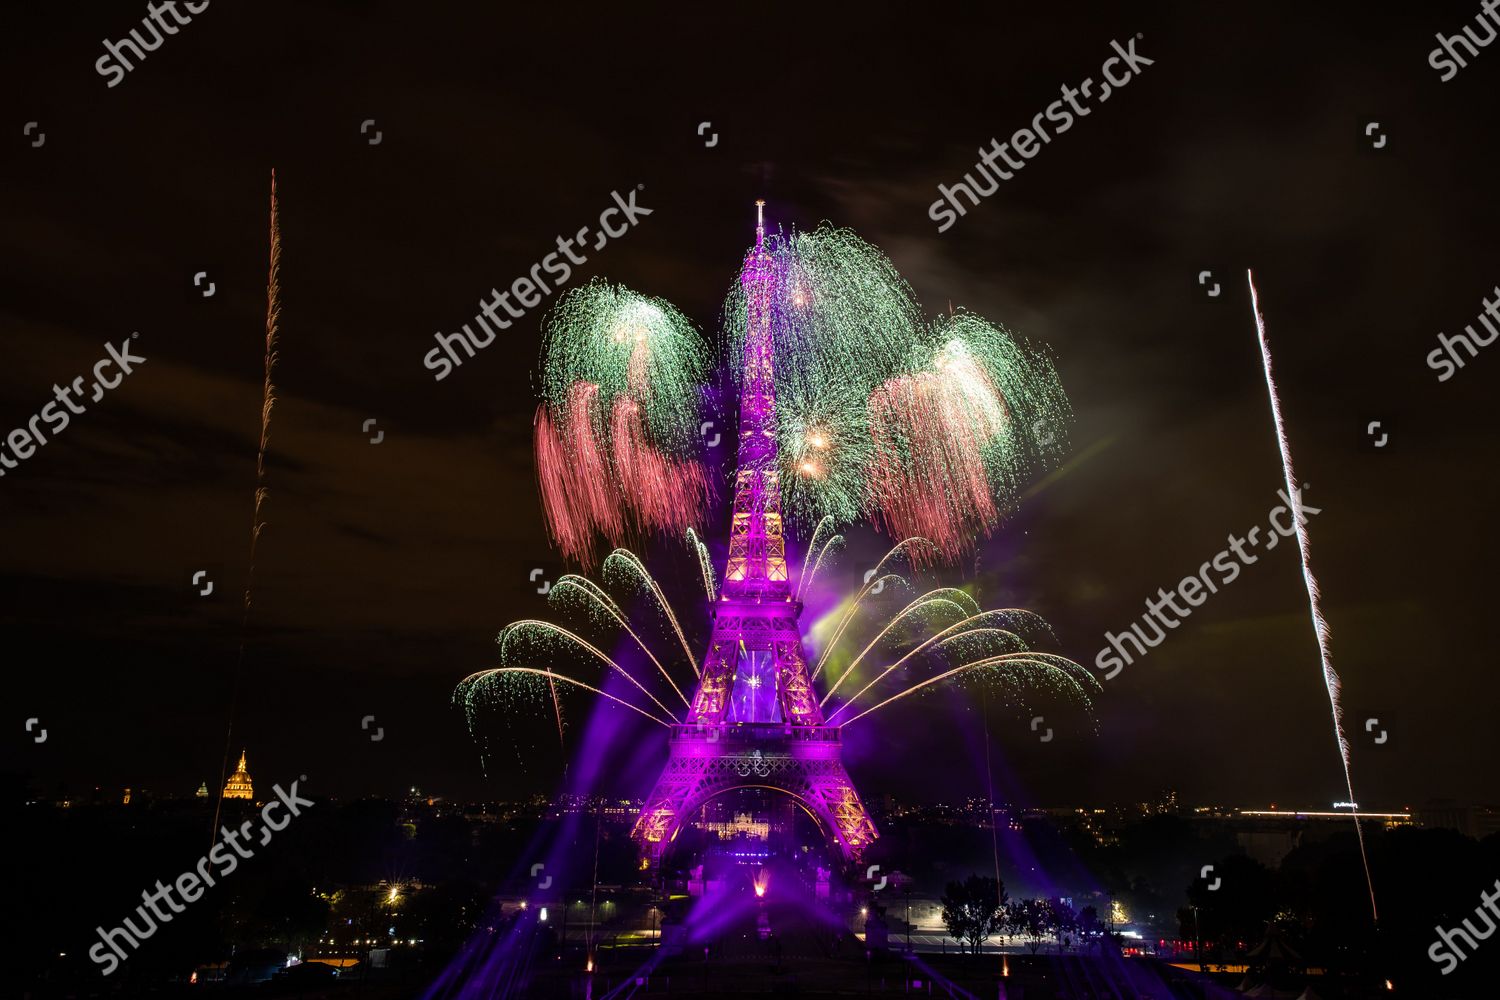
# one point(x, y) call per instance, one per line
point(830, 542)
point(512, 685)
point(624, 566)
point(560, 639)
point(941, 601)
point(957, 437)
point(876, 581)
point(630, 346)
point(617, 434)
point(575, 478)
point(842, 320)
point(1314, 597)
point(604, 607)
point(997, 649)
point(662, 493)
point(1017, 671)
point(928, 429)
point(975, 641)
point(705, 568)
point(267, 402)
point(516, 684)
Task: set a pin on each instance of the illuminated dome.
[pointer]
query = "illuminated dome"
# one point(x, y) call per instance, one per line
point(238, 786)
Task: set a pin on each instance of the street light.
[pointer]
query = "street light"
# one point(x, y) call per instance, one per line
point(1197, 938)
point(908, 917)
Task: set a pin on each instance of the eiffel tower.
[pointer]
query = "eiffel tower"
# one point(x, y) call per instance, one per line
point(755, 720)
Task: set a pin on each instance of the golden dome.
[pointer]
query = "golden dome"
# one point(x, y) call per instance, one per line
point(238, 786)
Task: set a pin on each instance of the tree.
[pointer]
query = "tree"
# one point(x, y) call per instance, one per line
point(1064, 923)
point(1233, 908)
point(1030, 920)
point(974, 909)
point(1090, 928)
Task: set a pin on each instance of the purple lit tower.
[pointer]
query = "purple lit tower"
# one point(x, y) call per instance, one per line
point(755, 720)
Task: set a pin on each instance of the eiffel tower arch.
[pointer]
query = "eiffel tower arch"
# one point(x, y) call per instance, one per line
point(803, 762)
point(755, 721)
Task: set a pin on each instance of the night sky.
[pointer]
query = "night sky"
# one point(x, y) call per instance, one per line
point(387, 569)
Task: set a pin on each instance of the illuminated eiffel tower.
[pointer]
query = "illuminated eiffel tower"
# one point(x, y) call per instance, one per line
point(755, 720)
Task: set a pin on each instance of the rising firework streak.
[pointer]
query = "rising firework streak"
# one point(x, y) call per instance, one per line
point(1314, 598)
point(262, 491)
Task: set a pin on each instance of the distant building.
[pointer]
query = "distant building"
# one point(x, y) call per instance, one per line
point(238, 786)
point(743, 825)
point(202, 791)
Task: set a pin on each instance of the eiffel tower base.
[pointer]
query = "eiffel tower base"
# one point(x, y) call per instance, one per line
point(803, 762)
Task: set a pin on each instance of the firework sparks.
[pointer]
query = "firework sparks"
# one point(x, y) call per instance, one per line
point(267, 402)
point(598, 599)
point(823, 534)
point(876, 581)
point(932, 601)
point(630, 346)
point(626, 562)
point(1039, 669)
point(832, 544)
point(955, 440)
point(474, 690)
point(705, 567)
point(929, 429)
point(574, 477)
point(662, 492)
point(975, 639)
point(534, 628)
point(616, 437)
point(844, 319)
point(514, 685)
point(965, 630)
point(991, 647)
point(1314, 597)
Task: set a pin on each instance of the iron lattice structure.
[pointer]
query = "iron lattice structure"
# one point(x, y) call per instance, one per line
point(755, 720)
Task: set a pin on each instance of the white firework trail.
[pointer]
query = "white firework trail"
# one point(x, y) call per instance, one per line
point(704, 567)
point(1314, 597)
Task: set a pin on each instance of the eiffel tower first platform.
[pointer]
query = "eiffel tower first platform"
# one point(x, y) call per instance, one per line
point(755, 720)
